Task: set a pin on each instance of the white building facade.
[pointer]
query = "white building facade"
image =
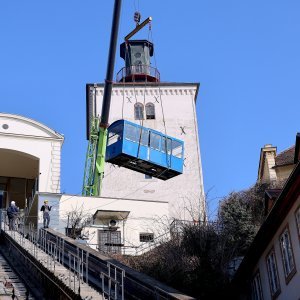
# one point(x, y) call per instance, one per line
point(30, 155)
point(172, 111)
point(123, 226)
point(270, 268)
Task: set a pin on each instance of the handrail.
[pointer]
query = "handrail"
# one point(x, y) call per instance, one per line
point(138, 70)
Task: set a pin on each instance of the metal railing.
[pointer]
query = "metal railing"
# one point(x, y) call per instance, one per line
point(84, 266)
point(138, 70)
point(54, 249)
point(113, 282)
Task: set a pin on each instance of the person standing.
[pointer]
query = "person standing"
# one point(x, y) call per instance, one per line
point(12, 213)
point(46, 213)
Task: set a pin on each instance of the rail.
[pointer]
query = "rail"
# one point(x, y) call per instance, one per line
point(87, 266)
point(136, 72)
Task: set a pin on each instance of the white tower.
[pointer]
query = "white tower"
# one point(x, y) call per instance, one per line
point(140, 97)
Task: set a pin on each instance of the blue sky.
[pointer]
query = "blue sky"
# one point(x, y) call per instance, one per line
point(245, 54)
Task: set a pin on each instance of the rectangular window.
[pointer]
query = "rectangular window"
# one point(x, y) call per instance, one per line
point(150, 111)
point(143, 136)
point(256, 293)
point(3, 194)
point(177, 149)
point(273, 274)
point(131, 133)
point(155, 141)
point(115, 135)
point(297, 216)
point(287, 254)
point(139, 111)
point(109, 241)
point(146, 237)
point(166, 143)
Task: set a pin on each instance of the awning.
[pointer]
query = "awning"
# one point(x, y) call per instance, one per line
point(105, 215)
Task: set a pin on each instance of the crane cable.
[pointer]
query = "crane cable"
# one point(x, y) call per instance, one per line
point(123, 100)
point(142, 114)
point(141, 117)
point(144, 105)
point(161, 103)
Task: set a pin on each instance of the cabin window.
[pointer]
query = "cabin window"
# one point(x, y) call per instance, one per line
point(155, 141)
point(131, 133)
point(256, 292)
point(146, 237)
point(150, 111)
point(143, 136)
point(273, 274)
point(166, 142)
point(115, 134)
point(177, 149)
point(139, 111)
point(287, 254)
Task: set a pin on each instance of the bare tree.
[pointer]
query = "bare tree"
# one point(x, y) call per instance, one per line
point(77, 220)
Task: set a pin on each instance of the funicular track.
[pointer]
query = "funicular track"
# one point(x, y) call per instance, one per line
point(70, 270)
point(11, 283)
point(45, 277)
point(115, 280)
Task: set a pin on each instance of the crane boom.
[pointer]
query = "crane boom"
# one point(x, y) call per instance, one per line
point(137, 28)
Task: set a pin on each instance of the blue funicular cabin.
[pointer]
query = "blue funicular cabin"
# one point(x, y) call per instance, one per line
point(144, 150)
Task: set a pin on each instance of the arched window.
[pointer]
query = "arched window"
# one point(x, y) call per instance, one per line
point(150, 111)
point(139, 111)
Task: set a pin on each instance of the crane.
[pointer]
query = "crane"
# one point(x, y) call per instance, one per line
point(95, 158)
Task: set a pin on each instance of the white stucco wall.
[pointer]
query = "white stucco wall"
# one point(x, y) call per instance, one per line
point(33, 138)
point(144, 216)
point(53, 201)
point(292, 289)
point(185, 193)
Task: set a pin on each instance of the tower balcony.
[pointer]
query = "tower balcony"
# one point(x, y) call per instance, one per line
point(138, 73)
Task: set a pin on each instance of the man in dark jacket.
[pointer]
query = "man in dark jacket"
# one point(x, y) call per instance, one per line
point(46, 213)
point(12, 213)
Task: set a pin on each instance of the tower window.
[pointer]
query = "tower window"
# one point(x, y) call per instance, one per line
point(139, 111)
point(150, 111)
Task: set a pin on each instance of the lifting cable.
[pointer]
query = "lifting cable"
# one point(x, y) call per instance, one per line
point(123, 100)
point(141, 121)
point(144, 105)
point(144, 113)
point(161, 103)
point(141, 116)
